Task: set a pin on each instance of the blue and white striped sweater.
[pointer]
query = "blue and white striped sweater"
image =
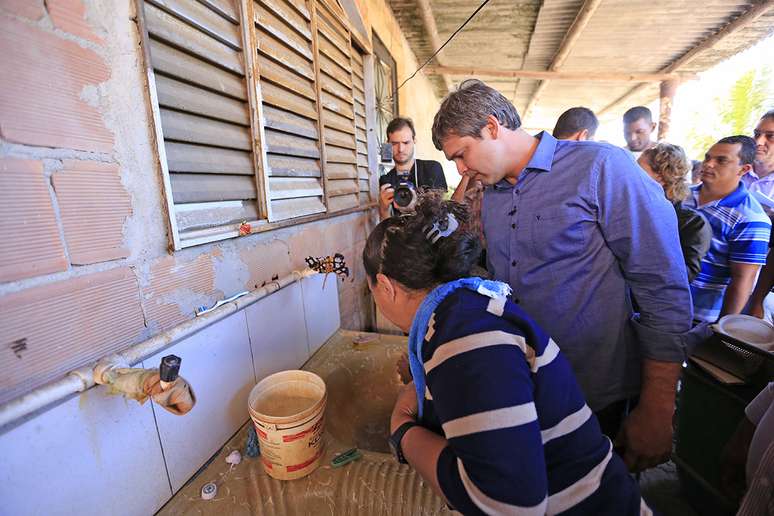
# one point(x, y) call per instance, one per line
point(521, 438)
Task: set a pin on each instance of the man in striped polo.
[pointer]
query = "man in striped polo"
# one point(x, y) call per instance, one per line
point(740, 228)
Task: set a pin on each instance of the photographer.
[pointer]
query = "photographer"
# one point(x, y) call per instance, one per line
point(409, 173)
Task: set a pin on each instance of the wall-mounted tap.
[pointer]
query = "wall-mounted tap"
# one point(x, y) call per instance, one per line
point(163, 385)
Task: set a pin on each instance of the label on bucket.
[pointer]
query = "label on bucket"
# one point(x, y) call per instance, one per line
point(294, 452)
point(295, 437)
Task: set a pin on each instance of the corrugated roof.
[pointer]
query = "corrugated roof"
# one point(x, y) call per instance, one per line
point(622, 36)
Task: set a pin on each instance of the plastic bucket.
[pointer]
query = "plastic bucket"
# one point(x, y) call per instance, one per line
point(288, 411)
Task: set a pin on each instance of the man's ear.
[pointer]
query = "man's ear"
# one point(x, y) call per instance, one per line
point(385, 283)
point(745, 169)
point(652, 126)
point(583, 135)
point(492, 126)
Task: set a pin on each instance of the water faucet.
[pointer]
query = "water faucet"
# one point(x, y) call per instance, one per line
point(163, 385)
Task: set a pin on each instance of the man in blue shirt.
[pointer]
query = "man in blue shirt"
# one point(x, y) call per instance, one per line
point(740, 230)
point(570, 225)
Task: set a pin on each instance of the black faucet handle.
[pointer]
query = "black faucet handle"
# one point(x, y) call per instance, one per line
point(169, 368)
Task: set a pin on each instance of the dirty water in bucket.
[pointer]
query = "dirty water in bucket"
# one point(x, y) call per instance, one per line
point(280, 403)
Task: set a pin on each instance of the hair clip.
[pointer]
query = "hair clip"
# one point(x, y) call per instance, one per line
point(441, 228)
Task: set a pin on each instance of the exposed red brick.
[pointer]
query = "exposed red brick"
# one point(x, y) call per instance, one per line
point(171, 279)
point(40, 101)
point(32, 9)
point(94, 205)
point(70, 16)
point(49, 330)
point(29, 237)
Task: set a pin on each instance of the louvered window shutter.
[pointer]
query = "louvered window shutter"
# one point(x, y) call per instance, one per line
point(277, 132)
point(361, 134)
point(289, 108)
point(338, 114)
point(203, 108)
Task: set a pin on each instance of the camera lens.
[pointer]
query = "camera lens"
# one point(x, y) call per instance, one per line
point(403, 196)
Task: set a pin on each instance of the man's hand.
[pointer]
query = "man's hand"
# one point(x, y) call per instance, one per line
point(646, 436)
point(386, 195)
point(406, 408)
point(756, 310)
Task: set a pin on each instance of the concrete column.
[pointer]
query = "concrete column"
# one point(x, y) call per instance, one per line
point(668, 90)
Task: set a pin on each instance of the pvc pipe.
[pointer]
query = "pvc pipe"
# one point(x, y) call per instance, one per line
point(82, 379)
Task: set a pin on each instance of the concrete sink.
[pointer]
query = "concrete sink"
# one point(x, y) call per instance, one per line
point(362, 387)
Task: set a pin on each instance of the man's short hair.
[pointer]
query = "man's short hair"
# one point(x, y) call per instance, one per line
point(398, 123)
point(768, 115)
point(636, 113)
point(464, 111)
point(574, 120)
point(746, 147)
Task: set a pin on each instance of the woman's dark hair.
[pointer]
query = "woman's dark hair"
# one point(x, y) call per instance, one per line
point(399, 249)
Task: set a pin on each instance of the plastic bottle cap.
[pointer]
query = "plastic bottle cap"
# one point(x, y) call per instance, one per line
point(209, 491)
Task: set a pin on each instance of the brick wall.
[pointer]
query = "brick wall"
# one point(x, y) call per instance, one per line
point(85, 268)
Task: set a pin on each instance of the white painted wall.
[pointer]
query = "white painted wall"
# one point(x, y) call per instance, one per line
point(99, 454)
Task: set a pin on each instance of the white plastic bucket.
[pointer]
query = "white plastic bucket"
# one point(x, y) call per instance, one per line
point(288, 410)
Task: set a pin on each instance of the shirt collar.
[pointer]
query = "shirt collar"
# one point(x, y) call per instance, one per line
point(543, 157)
point(729, 201)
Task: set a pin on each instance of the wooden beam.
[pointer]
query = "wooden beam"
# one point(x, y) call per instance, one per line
point(558, 76)
point(667, 95)
point(428, 20)
point(738, 24)
point(585, 13)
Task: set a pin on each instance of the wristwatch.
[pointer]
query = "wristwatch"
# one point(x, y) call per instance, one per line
point(396, 438)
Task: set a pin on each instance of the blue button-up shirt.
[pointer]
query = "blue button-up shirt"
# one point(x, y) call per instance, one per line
point(582, 223)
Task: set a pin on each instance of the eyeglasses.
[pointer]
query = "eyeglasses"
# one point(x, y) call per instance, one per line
point(768, 134)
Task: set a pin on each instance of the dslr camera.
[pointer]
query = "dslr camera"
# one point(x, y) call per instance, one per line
point(405, 191)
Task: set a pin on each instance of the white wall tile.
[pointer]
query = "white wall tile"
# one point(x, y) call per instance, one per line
point(99, 454)
point(278, 331)
point(321, 308)
point(217, 363)
point(93, 454)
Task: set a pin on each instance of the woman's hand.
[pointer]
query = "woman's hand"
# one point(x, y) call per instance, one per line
point(406, 408)
point(403, 368)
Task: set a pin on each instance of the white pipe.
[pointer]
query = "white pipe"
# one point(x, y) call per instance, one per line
point(82, 379)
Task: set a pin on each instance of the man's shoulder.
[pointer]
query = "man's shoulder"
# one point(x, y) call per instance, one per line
point(750, 210)
point(589, 151)
point(388, 177)
point(429, 164)
point(428, 161)
point(432, 173)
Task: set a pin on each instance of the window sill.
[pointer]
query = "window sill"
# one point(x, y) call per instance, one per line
point(206, 236)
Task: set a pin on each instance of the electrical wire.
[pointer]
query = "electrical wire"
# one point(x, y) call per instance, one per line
point(445, 43)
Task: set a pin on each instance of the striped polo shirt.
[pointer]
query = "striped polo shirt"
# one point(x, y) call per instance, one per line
point(521, 438)
point(740, 233)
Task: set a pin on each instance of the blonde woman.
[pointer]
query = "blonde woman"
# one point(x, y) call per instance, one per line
point(668, 166)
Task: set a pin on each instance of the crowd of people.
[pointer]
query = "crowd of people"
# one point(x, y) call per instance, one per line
point(603, 268)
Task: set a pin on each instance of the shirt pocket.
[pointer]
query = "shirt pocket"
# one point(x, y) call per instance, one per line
point(557, 236)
